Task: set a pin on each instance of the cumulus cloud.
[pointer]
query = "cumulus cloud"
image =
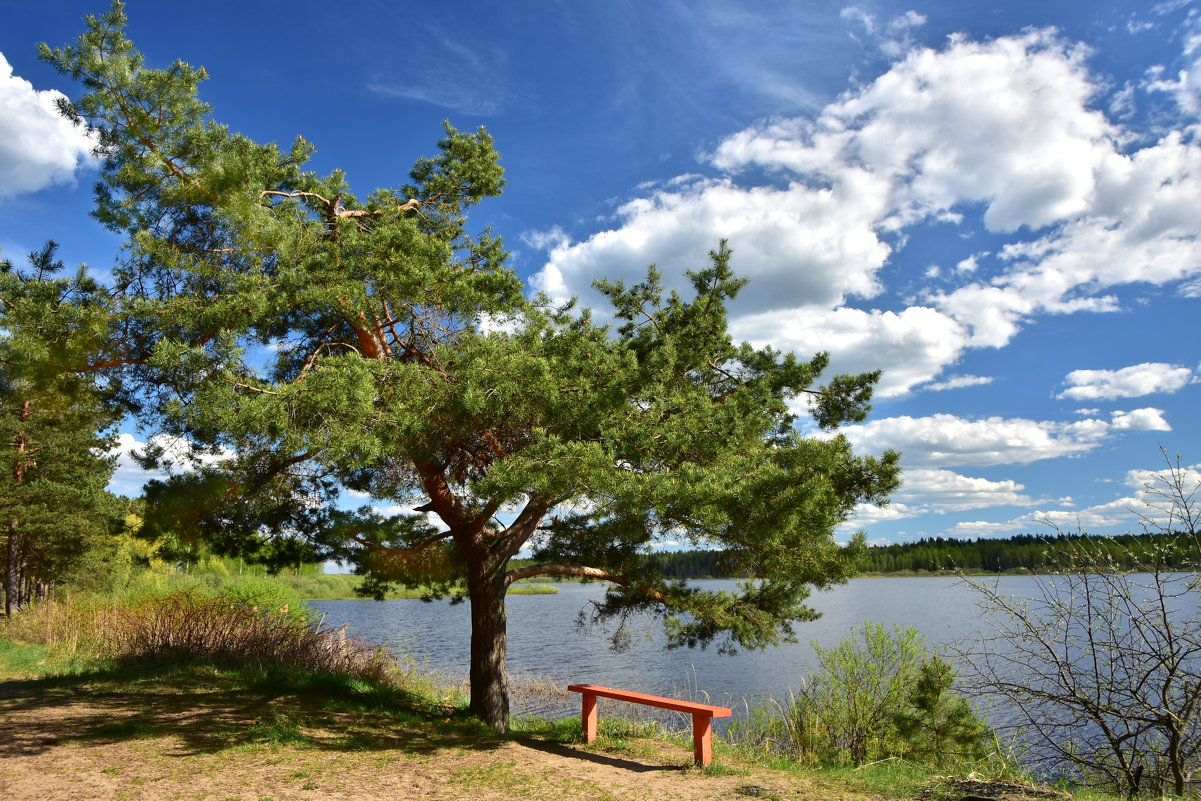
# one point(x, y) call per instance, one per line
point(941, 490)
point(1142, 504)
point(1006, 124)
point(928, 491)
point(1128, 382)
point(803, 247)
point(38, 148)
point(943, 440)
point(915, 343)
point(1009, 130)
point(1140, 227)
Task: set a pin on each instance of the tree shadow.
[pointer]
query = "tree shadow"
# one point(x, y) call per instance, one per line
point(208, 710)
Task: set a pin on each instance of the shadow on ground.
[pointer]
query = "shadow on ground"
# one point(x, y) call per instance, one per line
point(210, 710)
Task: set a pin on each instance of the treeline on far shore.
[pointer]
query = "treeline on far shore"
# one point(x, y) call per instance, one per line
point(1024, 553)
point(1027, 553)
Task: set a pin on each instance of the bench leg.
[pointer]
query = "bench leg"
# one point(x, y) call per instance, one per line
point(588, 717)
point(702, 740)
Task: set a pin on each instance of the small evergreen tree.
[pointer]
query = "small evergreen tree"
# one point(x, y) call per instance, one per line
point(938, 725)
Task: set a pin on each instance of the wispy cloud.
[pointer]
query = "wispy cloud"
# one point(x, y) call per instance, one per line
point(443, 71)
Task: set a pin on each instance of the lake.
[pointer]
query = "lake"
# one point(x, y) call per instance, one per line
point(544, 640)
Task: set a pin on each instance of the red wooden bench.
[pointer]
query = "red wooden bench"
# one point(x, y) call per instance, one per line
point(702, 714)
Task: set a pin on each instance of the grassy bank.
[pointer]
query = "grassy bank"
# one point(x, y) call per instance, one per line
point(226, 696)
point(198, 730)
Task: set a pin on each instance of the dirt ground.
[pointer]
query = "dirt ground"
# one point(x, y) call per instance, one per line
point(63, 740)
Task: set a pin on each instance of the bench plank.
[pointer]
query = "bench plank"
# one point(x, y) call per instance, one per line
point(702, 714)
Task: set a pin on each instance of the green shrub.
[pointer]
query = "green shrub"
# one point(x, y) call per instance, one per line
point(876, 695)
point(845, 713)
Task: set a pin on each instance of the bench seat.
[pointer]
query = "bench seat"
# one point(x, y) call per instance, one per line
point(702, 714)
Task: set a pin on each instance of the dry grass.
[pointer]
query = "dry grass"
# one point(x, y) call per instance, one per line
point(188, 626)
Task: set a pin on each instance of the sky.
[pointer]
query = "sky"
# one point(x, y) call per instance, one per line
point(999, 205)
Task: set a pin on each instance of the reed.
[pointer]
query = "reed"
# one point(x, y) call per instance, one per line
point(190, 626)
point(187, 626)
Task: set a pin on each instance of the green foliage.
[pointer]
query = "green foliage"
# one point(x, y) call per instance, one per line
point(876, 695)
point(939, 726)
point(847, 710)
point(19, 660)
point(269, 596)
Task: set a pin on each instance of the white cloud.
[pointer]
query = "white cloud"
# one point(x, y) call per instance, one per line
point(1009, 129)
point(1140, 227)
point(942, 440)
point(958, 382)
point(970, 264)
point(802, 247)
point(986, 528)
point(927, 491)
point(893, 37)
point(867, 514)
point(915, 343)
point(940, 490)
point(1128, 382)
point(38, 147)
point(1140, 420)
point(1185, 88)
point(1146, 504)
point(1005, 123)
point(1127, 513)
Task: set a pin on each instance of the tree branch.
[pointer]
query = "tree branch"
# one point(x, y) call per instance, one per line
point(416, 549)
point(335, 209)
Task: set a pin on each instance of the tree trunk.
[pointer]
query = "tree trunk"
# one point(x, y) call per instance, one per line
point(1176, 760)
point(10, 573)
point(489, 676)
point(12, 579)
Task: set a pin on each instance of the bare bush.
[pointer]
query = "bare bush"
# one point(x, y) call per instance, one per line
point(186, 625)
point(1103, 665)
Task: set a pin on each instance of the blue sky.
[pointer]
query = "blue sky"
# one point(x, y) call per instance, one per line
point(1000, 208)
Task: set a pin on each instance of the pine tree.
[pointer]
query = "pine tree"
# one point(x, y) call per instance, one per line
point(939, 725)
point(56, 421)
point(406, 362)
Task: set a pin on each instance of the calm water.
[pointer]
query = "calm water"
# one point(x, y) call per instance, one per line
point(544, 640)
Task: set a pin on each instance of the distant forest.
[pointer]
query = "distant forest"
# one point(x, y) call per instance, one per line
point(1024, 553)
